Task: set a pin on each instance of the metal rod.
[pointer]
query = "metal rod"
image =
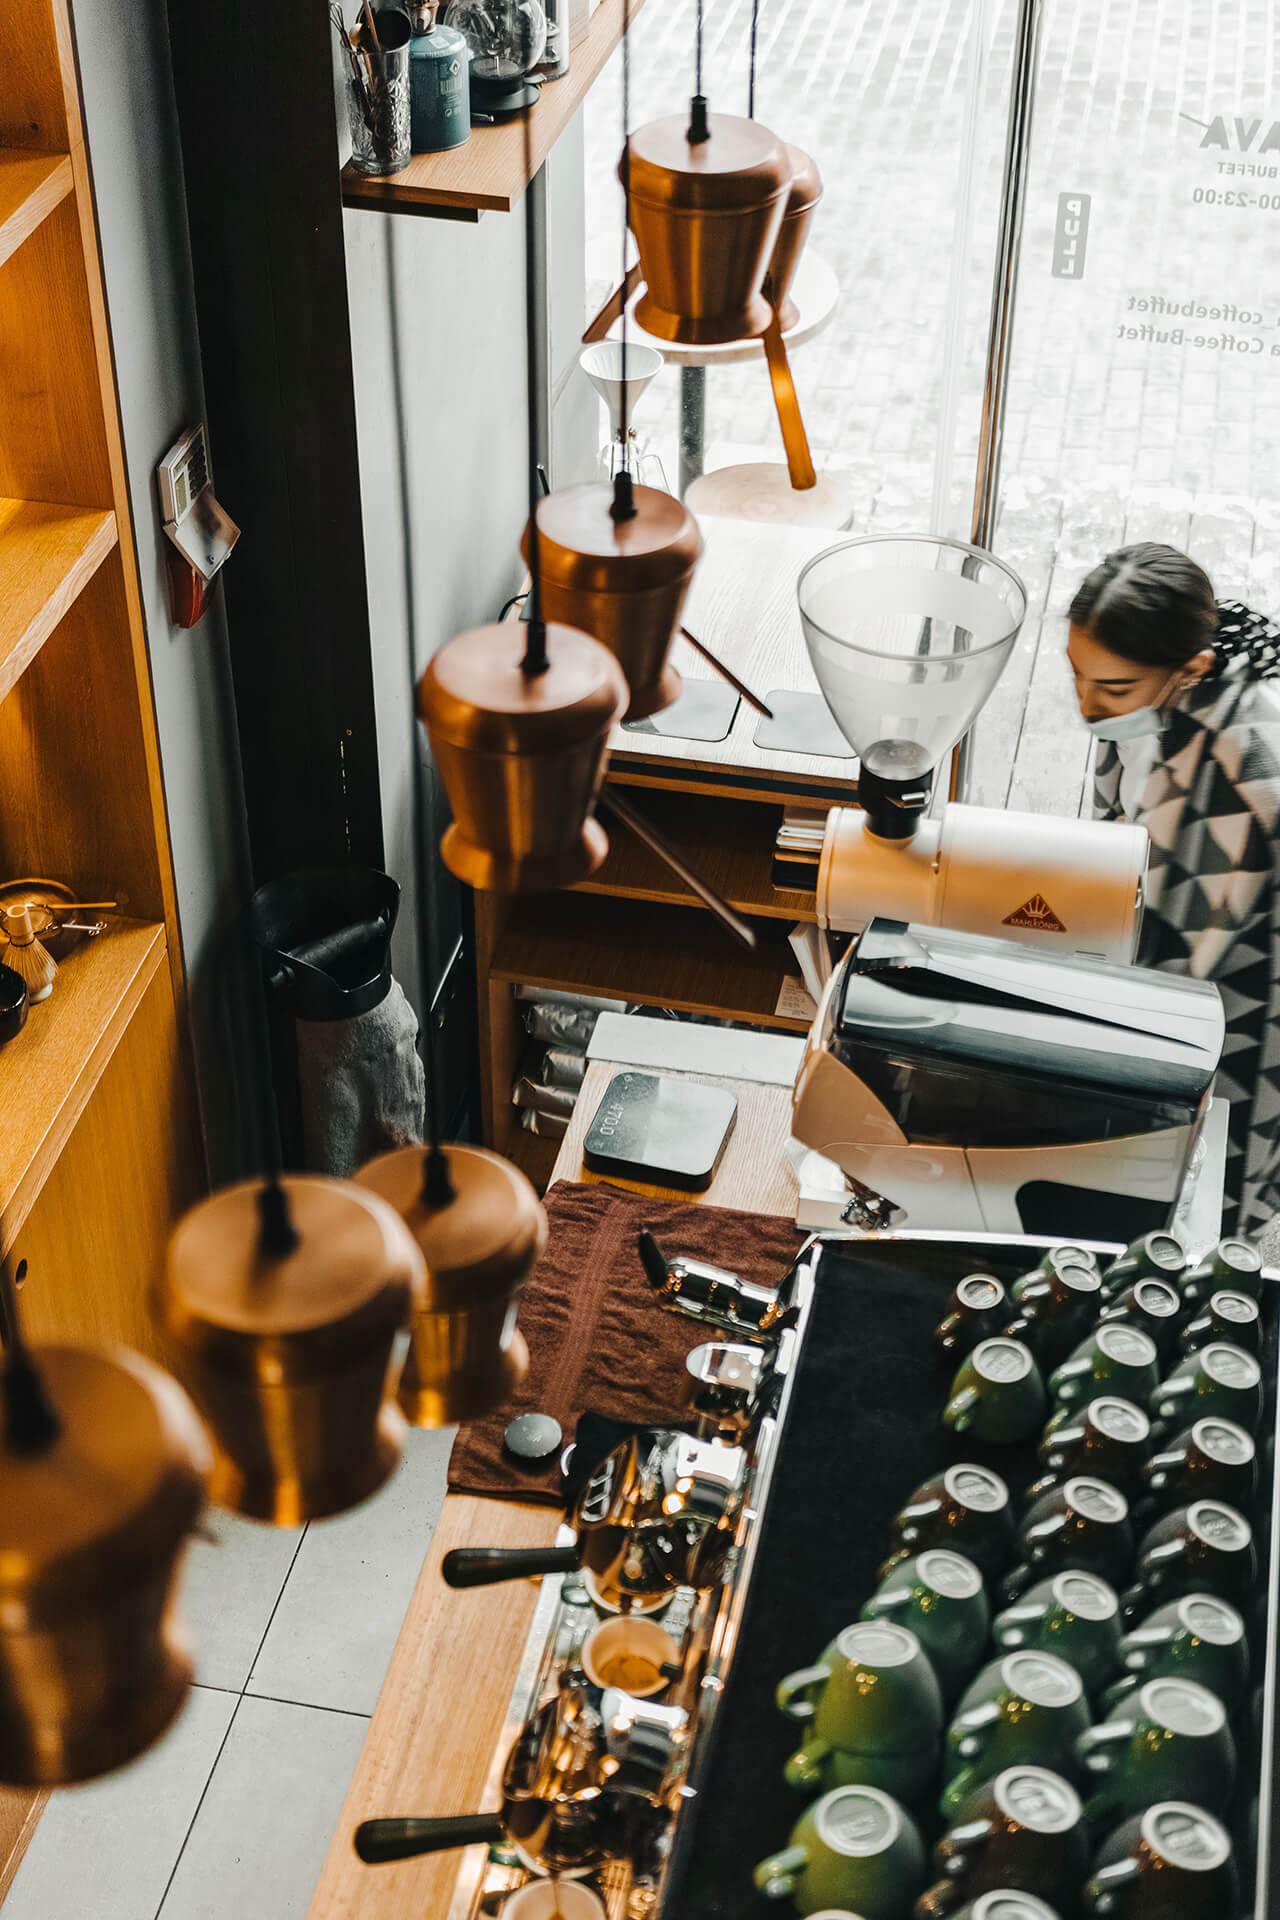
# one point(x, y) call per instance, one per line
point(623, 810)
point(1004, 290)
point(727, 673)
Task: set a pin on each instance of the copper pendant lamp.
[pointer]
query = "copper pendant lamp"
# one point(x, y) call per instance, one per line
point(282, 1301)
point(103, 1469)
point(707, 197)
point(521, 753)
point(803, 196)
point(480, 1230)
point(620, 572)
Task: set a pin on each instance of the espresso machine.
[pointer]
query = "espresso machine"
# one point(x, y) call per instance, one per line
point(596, 1782)
point(984, 1057)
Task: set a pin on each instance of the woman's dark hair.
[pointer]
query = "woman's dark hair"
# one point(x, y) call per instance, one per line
point(1155, 606)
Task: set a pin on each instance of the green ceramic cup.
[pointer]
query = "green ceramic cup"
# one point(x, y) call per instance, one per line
point(1110, 1439)
point(997, 1395)
point(977, 1308)
point(1023, 1831)
point(939, 1595)
point(1027, 1707)
point(1066, 1253)
point(1230, 1315)
point(1157, 1256)
point(1082, 1526)
point(1116, 1359)
point(1055, 1310)
point(1153, 1305)
point(855, 1848)
point(1171, 1862)
point(1213, 1459)
point(1221, 1379)
point(1006, 1903)
point(1076, 1616)
point(1168, 1741)
point(1198, 1637)
point(967, 1507)
point(1233, 1263)
point(1206, 1547)
point(873, 1696)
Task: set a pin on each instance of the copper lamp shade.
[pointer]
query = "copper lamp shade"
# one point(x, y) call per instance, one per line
point(466, 1355)
point(802, 197)
point(521, 756)
point(287, 1355)
point(94, 1663)
point(706, 216)
point(622, 581)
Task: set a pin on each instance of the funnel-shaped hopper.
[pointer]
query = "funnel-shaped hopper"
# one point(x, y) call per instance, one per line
point(619, 370)
point(908, 635)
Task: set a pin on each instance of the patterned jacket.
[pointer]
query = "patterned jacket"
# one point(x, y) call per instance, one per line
point(1211, 803)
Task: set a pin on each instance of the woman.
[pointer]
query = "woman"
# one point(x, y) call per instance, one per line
point(1177, 690)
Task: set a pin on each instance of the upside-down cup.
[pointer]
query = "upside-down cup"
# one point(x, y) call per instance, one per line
point(287, 1355)
point(706, 216)
point(94, 1662)
point(622, 581)
point(466, 1354)
point(521, 755)
point(803, 196)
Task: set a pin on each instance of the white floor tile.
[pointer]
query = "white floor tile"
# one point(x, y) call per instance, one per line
point(108, 1849)
point(264, 1827)
point(342, 1607)
point(229, 1590)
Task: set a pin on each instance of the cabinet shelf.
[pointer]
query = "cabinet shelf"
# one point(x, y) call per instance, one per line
point(31, 185)
point(487, 173)
point(728, 842)
point(49, 1070)
point(47, 555)
point(670, 958)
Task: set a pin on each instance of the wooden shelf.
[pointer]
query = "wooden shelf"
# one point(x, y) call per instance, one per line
point(49, 1070)
point(47, 555)
point(487, 173)
point(31, 185)
point(674, 958)
point(728, 842)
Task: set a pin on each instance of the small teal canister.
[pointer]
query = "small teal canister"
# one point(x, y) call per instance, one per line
point(439, 82)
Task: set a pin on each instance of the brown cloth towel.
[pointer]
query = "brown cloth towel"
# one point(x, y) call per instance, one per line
point(597, 1338)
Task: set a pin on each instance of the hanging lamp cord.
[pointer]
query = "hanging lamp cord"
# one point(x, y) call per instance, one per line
point(31, 1425)
point(751, 71)
point(535, 651)
point(624, 498)
point(699, 126)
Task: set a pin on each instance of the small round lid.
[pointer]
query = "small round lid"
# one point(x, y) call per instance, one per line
point(741, 166)
point(350, 1281)
point(473, 693)
point(110, 1500)
point(487, 1237)
point(581, 545)
point(805, 190)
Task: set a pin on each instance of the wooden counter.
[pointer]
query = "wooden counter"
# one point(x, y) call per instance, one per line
point(439, 1717)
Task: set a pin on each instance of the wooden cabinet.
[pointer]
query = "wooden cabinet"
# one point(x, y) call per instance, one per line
point(98, 1145)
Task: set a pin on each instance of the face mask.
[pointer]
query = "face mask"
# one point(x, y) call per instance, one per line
point(1137, 725)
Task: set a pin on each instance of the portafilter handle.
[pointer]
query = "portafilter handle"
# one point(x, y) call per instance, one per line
point(486, 1566)
point(379, 1841)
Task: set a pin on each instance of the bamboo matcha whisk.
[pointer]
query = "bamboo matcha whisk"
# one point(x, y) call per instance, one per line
point(27, 954)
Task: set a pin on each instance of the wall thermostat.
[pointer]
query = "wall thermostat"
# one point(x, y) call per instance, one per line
point(202, 531)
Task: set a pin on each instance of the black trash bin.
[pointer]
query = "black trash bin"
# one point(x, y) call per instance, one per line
point(344, 1038)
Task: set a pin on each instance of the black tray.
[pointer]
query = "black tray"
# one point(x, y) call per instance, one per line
point(864, 1430)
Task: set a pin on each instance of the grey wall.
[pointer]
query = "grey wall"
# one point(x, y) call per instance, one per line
point(134, 152)
point(437, 327)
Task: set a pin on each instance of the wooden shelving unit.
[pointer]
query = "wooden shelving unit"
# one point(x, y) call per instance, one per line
point(31, 185)
point(729, 842)
point(98, 1147)
point(487, 173)
point(47, 554)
